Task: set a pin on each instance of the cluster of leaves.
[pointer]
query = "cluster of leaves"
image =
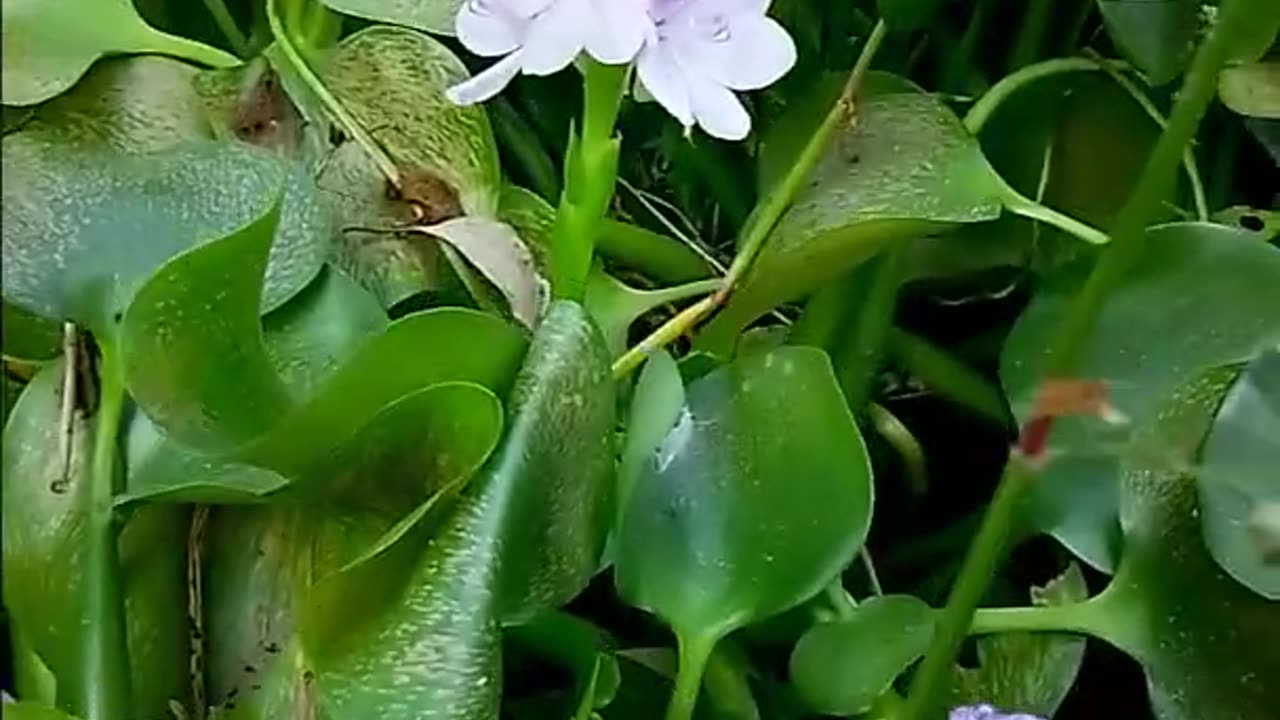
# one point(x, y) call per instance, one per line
point(291, 423)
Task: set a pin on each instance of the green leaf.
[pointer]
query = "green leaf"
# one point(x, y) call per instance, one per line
point(753, 501)
point(80, 169)
point(655, 408)
point(525, 538)
point(1214, 288)
point(29, 337)
point(1252, 90)
point(1237, 478)
point(1265, 223)
point(32, 711)
point(1029, 671)
point(904, 15)
point(48, 46)
point(1078, 141)
point(1253, 41)
point(1155, 35)
point(1204, 640)
point(433, 16)
point(392, 80)
point(842, 667)
point(220, 392)
point(903, 168)
point(43, 526)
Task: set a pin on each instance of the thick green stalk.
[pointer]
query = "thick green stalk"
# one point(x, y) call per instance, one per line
point(525, 147)
point(930, 680)
point(929, 683)
point(947, 376)
point(861, 357)
point(693, 657)
point(104, 687)
point(1031, 36)
point(591, 171)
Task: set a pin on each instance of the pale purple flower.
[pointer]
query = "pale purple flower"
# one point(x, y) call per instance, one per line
point(700, 51)
point(540, 37)
point(986, 712)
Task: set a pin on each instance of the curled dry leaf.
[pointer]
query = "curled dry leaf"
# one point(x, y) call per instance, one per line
point(497, 252)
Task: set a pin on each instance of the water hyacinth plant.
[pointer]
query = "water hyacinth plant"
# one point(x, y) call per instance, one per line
point(611, 359)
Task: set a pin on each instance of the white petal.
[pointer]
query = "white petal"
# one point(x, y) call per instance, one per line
point(660, 74)
point(556, 37)
point(718, 110)
point(750, 53)
point(618, 29)
point(488, 83)
point(485, 29)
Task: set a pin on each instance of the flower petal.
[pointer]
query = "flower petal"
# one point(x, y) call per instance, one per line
point(488, 83)
point(619, 28)
point(485, 29)
point(556, 37)
point(717, 109)
point(663, 78)
point(750, 53)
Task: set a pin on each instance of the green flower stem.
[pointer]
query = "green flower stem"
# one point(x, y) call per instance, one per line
point(104, 684)
point(693, 656)
point(663, 258)
point(591, 172)
point(345, 120)
point(227, 25)
point(929, 683)
point(984, 554)
point(948, 376)
point(765, 216)
point(1078, 618)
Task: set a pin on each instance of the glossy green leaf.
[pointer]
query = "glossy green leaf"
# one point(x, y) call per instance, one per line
point(221, 393)
point(525, 538)
point(43, 570)
point(29, 337)
point(1252, 90)
point(32, 711)
point(904, 168)
point(904, 15)
point(1078, 141)
point(1252, 42)
point(1237, 478)
point(433, 16)
point(755, 499)
point(81, 167)
point(655, 408)
point(1032, 672)
point(49, 45)
point(1205, 641)
point(1214, 288)
point(392, 80)
point(842, 667)
point(1155, 35)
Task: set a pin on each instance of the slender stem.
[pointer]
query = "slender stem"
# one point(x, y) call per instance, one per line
point(872, 576)
point(984, 554)
point(663, 258)
point(860, 360)
point(1019, 204)
point(104, 690)
point(1128, 234)
point(655, 298)
point(1031, 36)
point(591, 172)
point(980, 563)
point(894, 432)
point(948, 376)
point(1144, 102)
point(765, 216)
point(349, 124)
point(843, 605)
point(227, 25)
point(1077, 618)
point(71, 362)
point(694, 655)
point(982, 110)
